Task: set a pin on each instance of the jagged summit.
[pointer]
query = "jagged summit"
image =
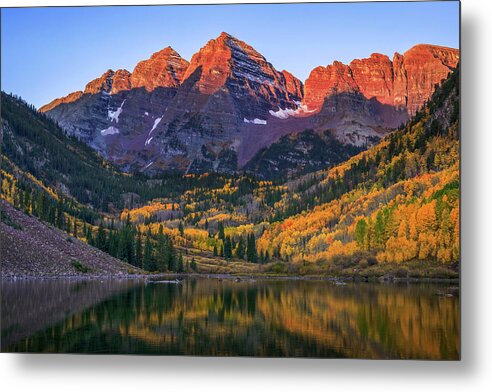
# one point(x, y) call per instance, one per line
point(110, 82)
point(227, 57)
point(164, 68)
point(406, 82)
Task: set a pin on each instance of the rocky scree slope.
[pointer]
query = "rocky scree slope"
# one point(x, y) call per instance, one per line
point(30, 247)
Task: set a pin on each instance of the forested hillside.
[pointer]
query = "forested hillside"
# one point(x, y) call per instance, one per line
point(396, 202)
point(300, 153)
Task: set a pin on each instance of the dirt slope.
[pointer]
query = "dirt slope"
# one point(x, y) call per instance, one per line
point(29, 247)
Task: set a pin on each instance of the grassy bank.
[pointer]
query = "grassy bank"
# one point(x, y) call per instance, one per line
point(360, 267)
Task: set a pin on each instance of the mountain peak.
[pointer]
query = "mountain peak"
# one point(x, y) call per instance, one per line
point(110, 82)
point(212, 62)
point(379, 56)
point(229, 41)
point(436, 54)
point(406, 82)
point(168, 51)
point(431, 47)
point(103, 83)
point(440, 52)
point(164, 68)
point(227, 56)
point(225, 35)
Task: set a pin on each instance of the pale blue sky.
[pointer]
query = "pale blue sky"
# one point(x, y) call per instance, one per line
point(50, 52)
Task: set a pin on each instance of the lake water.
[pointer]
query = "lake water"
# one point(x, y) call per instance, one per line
point(277, 318)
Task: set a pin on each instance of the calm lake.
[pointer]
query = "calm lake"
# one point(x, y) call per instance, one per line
point(278, 318)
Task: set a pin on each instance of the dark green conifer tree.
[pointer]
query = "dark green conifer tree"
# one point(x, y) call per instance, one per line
point(193, 265)
point(161, 251)
point(180, 263)
point(240, 248)
point(88, 236)
point(172, 260)
point(126, 243)
point(138, 250)
point(227, 247)
point(101, 238)
point(148, 259)
point(221, 231)
point(251, 254)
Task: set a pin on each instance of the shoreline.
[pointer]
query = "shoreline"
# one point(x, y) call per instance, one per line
point(237, 278)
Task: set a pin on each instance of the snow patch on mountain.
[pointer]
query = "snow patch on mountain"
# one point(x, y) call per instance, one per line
point(286, 113)
point(110, 131)
point(149, 138)
point(259, 78)
point(156, 123)
point(148, 165)
point(114, 115)
point(256, 121)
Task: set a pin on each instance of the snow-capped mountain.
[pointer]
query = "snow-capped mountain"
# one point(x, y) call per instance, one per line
point(217, 111)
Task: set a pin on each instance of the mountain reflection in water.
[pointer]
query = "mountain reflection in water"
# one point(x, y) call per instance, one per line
point(280, 318)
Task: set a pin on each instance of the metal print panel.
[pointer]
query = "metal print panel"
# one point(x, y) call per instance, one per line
point(269, 180)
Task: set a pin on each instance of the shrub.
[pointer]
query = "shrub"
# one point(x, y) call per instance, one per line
point(443, 273)
point(8, 221)
point(334, 269)
point(344, 262)
point(401, 273)
point(293, 269)
point(278, 267)
point(193, 265)
point(80, 267)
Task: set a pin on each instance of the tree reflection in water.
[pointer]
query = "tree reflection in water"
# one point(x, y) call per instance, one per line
point(281, 318)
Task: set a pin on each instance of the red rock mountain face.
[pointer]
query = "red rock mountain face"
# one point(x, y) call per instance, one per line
point(164, 69)
point(227, 86)
point(407, 81)
point(217, 111)
point(294, 87)
point(115, 112)
point(228, 63)
point(58, 101)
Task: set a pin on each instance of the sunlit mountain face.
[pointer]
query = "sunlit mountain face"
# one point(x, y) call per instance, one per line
point(228, 108)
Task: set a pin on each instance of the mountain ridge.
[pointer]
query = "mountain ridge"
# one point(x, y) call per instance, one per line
point(216, 112)
point(386, 80)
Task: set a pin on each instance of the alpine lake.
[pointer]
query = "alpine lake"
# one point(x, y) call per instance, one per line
point(202, 316)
